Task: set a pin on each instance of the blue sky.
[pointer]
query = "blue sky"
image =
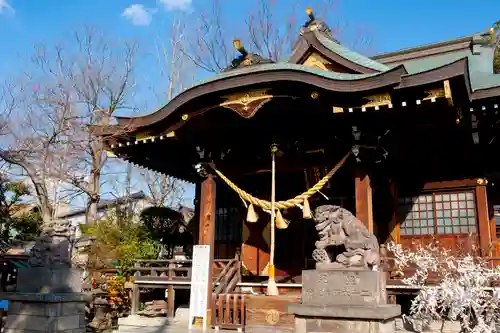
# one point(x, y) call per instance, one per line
point(391, 24)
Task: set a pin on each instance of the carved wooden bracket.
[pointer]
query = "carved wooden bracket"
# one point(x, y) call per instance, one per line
point(372, 101)
point(447, 92)
point(248, 103)
point(444, 92)
point(434, 94)
point(378, 100)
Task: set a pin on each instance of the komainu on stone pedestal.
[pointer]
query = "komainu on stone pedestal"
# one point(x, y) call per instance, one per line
point(52, 246)
point(345, 293)
point(50, 262)
point(344, 241)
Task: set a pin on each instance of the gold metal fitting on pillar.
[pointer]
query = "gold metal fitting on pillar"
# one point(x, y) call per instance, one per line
point(482, 181)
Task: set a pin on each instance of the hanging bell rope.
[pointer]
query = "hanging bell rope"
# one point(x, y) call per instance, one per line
point(299, 199)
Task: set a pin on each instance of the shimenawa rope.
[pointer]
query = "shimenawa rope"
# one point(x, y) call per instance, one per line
point(299, 199)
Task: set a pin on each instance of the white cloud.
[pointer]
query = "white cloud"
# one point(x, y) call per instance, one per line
point(177, 4)
point(137, 14)
point(5, 7)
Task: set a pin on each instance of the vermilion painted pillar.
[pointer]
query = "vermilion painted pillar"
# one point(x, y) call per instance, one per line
point(207, 231)
point(364, 208)
point(394, 228)
point(483, 217)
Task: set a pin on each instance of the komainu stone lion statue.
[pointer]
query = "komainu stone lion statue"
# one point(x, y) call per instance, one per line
point(344, 241)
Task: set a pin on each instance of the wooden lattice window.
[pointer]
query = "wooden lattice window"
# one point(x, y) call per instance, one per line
point(438, 213)
point(228, 225)
point(496, 212)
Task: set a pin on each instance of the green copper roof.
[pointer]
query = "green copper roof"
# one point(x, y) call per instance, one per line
point(480, 65)
point(350, 55)
point(286, 66)
point(480, 62)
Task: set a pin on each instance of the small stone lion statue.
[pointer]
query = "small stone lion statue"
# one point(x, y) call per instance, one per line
point(52, 246)
point(344, 241)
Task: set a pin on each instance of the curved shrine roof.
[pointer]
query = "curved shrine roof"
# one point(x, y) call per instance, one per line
point(475, 48)
point(262, 74)
point(336, 68)
point(341, 51)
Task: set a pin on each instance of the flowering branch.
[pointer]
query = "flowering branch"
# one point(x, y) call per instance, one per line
point(463, 291)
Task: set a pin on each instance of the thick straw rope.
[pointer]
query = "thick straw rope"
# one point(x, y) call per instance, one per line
point(264, 204)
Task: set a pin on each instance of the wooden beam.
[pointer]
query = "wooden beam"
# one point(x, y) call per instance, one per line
point(483, 220)
point(207, 231)
point(394, 227)
point(364, 208)
point(170, 294)
point(455, 184)
point(136, 294)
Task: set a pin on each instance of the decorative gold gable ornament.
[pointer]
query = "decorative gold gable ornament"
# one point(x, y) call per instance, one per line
point(248, 103)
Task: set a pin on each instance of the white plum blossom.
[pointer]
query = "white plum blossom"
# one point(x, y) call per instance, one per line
point(464, 290)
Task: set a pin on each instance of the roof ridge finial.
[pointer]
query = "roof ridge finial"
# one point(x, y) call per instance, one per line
point(245, 58)
point(314, 24)
point(309, 13)
point(238, 45)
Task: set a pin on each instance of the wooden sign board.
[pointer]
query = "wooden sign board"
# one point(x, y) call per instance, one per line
point(198, 301)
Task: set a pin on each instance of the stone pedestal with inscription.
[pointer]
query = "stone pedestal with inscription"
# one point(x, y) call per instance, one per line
point(344, 301)
point(48, 294)
point(30, 312)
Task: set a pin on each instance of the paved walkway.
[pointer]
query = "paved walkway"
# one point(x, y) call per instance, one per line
point(135, 323)
point(170, 329)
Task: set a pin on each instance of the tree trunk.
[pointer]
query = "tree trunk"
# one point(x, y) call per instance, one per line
point(44, 205)
point(94, 197)
point(94, 186)
point(42, 197)
point(92, 210)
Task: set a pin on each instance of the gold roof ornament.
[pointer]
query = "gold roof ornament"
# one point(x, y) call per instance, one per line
point(310, 14)
point(245, 58)
point(238, 45)
point(313, 24)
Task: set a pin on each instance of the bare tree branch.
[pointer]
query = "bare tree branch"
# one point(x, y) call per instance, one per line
point(271, 31)
point(76, 84)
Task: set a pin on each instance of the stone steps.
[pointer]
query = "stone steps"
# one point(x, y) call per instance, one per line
point(136, 323)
